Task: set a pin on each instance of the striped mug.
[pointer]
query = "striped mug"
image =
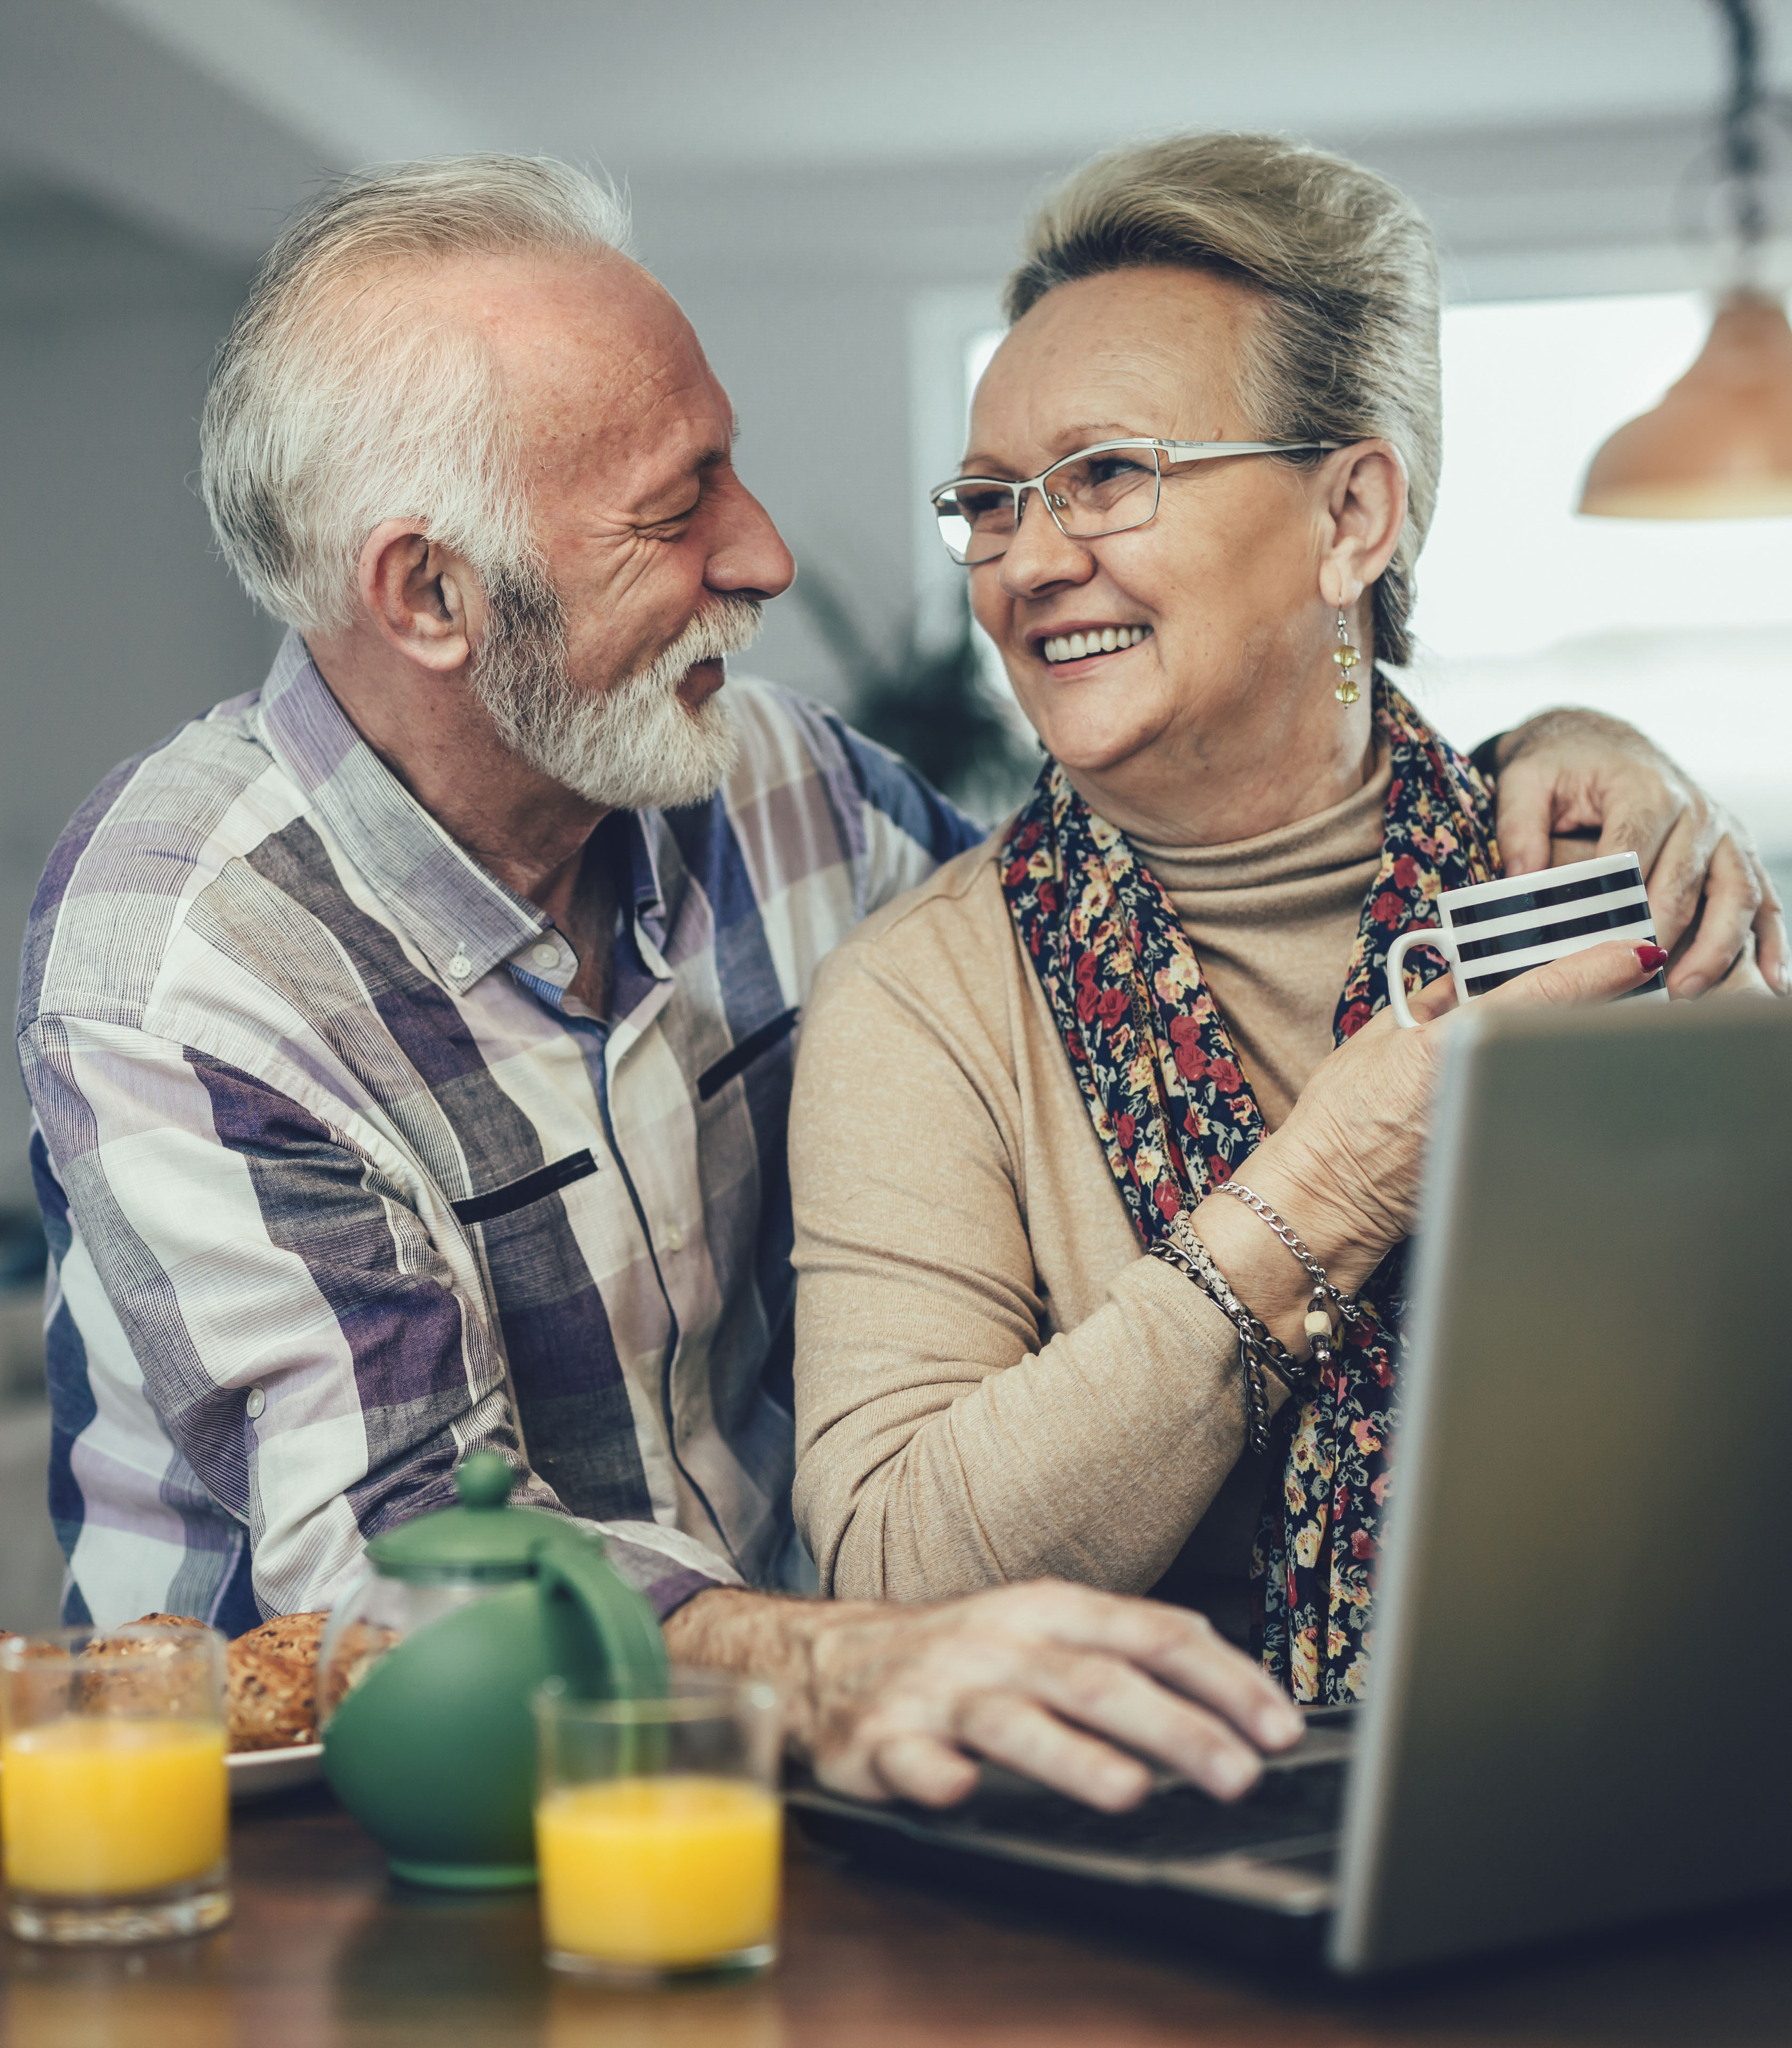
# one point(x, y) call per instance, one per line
point(1498, 930)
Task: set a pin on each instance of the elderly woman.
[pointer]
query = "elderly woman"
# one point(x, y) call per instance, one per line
point(1038, 1331)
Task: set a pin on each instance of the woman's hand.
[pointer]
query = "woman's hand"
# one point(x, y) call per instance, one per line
point(1345, 1169)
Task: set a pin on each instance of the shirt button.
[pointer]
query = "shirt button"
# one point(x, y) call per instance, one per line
point(674, 1238)
point(256, 1402)
point(545, 955)
point(460, 966)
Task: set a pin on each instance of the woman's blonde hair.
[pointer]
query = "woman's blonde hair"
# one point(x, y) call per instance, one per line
point(1348, 271)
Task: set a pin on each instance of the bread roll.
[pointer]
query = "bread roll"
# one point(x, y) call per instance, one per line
point(271, 1678)
point(272, 1697)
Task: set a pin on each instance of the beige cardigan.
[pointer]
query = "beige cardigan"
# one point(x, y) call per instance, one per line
point(992, 1383)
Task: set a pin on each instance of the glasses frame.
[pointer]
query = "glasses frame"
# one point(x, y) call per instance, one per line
point(1177, 452)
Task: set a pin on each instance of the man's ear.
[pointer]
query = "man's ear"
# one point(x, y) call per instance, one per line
point(424, 598)
point(1365, 505)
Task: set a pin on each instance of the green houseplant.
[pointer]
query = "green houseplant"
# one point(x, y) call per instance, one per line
point(931, 702)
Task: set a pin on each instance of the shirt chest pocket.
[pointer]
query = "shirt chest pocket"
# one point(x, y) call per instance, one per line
point(750, 1052)
point(533, 1232)
point(515, 1195)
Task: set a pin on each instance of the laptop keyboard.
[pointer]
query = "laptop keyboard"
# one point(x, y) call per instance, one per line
point(1178, 1823)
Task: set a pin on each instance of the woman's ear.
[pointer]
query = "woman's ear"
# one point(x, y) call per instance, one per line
point(418, 594)
point(1366, 506)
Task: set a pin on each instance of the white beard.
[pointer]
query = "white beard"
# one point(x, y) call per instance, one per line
point(632, 747)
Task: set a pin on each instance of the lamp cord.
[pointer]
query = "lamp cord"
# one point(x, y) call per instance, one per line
point(1750, 112)
point(1744, 152)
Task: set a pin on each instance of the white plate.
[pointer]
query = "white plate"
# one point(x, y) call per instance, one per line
point(257, 1773)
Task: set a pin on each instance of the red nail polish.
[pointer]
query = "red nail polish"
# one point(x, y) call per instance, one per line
point(1652, 957)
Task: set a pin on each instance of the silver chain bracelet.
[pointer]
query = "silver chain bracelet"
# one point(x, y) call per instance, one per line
point(1321, 1335)
point(1290, 1237)
point(1250, 1367)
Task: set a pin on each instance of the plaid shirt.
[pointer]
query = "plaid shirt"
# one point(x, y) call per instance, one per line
point(339, 1184)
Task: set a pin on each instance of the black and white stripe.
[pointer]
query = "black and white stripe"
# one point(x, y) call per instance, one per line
point(1512, 931)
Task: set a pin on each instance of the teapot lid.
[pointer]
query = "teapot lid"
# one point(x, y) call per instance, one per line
point(482, 1538)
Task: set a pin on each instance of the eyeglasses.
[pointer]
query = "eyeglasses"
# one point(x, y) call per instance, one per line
point(1106, 489)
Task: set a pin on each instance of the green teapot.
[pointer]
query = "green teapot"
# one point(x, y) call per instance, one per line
point(427, 1664)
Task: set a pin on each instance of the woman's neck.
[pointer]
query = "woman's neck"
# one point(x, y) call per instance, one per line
point(1200, 789)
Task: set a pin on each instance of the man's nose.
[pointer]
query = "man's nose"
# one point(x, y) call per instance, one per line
point(1040, 555)
point(749, 558)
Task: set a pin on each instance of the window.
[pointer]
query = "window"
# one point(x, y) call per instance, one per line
point(1685, 627)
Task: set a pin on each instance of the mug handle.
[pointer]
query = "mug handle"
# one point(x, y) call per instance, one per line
point(1426, 935)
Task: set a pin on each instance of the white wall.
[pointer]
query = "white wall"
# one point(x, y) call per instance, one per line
point(116, 622)
point(818, 374)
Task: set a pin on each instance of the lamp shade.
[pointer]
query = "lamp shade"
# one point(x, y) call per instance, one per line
point(1719, 446)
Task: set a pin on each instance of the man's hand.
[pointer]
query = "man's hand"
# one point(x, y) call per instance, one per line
point(1056, 1682)
point(1569, 772)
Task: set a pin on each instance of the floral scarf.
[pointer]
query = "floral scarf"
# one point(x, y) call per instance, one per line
point(1170, 1105)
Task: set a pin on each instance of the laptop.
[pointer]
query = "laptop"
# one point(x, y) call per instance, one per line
point(1582, 1664)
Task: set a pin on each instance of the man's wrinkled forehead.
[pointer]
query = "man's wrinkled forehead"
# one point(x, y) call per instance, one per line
point(600, 366)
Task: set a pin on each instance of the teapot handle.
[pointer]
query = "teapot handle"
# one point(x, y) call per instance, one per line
point(604, 1639)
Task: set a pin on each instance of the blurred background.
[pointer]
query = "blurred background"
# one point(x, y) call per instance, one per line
point(834, 191)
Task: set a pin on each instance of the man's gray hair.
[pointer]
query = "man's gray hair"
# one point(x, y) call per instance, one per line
point(335, 403)
point(1348, 271)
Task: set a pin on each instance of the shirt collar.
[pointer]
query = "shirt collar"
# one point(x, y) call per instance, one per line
point(463, 920)
point(635, 856)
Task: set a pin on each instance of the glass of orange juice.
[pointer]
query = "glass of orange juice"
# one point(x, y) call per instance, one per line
point(658, 1831)
point(114, 1797)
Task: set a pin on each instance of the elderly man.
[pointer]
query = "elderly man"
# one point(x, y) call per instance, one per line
point(411, 1039)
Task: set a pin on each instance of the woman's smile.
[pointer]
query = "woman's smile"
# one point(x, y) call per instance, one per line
point(1065, 647)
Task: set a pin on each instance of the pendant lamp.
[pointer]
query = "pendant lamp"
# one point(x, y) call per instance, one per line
point(1719, 446)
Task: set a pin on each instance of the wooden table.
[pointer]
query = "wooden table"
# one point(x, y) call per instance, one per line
point(325, 1953)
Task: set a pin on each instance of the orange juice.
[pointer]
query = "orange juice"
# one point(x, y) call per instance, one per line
point(98, 1805)
point(671, 1870)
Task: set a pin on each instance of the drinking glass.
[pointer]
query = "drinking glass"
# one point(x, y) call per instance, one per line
point(658, 1829)
point(113, 1797)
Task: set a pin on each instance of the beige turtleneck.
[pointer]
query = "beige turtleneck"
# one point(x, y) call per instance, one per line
point(992, 1383)
point(1272, 922)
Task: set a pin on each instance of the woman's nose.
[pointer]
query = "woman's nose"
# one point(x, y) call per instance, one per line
point(1040, 555)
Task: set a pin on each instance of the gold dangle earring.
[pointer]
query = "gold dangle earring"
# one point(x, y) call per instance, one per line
point(1346, 658)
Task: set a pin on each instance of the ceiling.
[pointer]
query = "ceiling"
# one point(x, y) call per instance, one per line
point(210, 117)
point(673, 82)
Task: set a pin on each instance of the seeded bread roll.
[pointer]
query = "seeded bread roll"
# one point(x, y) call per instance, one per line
point(113, 1647)
point(118, 1680)
point(272, 1697)
point(271, 1681)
